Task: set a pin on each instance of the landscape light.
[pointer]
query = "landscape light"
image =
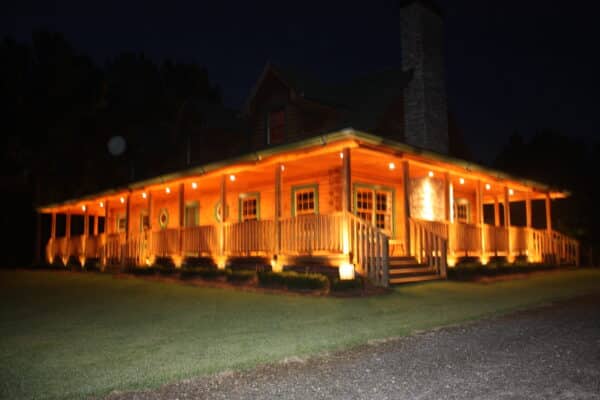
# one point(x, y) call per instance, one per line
point(346, 271)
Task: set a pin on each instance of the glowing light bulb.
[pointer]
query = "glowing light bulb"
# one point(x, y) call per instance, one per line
point(430, 174)
point(511, 192)
point(392, 166)
point(232, 178)
point(122, 200)
point(341, 154)
point(83, 208)
point(283, 167)
point(167, 190)
point(144, 195)
point(101, 204)
point(194, 185)
point(462, 181)
point(488, 186)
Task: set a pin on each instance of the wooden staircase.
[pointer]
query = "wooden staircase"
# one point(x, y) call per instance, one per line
point(408, 270)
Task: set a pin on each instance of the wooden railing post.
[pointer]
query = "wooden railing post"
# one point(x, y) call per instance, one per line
point(406, 206)
point(278, 184)
point(507, 222)
point(181, 202)
point(223, 200)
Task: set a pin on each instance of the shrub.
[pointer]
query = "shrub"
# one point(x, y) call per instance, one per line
point(240, 276)
point(338, 285)
point(73, 264)
point(207, 273)
point(164, 262)
point(293, 280)
point(143, 271)
point(196, 262)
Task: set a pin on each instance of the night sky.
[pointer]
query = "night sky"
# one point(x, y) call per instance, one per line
point(511, 65)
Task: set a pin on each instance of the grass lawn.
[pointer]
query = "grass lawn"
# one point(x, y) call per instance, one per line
point(67, 335)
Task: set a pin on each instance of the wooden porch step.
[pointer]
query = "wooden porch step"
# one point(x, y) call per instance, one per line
point(413, 269)
point(413, 279)
point(402, 261)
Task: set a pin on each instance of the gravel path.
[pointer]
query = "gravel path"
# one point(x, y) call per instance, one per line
point(548, 353)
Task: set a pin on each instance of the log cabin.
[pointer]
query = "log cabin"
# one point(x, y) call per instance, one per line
point(358, 178)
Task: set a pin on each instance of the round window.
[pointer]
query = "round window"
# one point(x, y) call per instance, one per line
point(163, 218)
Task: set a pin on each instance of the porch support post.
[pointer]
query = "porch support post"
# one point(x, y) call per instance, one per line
point(95, 225)
point(528, 224)
point(53, 226)
point(406, 200)
point(181, 193)
point(127, 228)
point(447, 200)
point(480, 221)
point(346, 201)
point(86, 232)
point(528, 218)
point(507, 223)
point(548, 213)
point(68, 226)
point(104, 260)
point(223, 201)
point(278, 168)
point(67, 239)
point(149, 208)
point(496, 212)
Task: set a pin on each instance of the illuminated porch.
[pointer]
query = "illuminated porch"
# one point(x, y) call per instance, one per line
point(346, 201)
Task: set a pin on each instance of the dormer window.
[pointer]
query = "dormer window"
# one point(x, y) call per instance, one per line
point(276, 126)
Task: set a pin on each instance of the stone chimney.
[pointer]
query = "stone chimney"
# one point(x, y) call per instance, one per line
point(425, 108)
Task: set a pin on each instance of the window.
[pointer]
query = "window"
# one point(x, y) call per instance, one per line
point(191, 214)
point(121, 223)
point(144, 221)
point(249, 207)
point(306, 200)
point(461, 211)
point(276, 126)
point(375, 206)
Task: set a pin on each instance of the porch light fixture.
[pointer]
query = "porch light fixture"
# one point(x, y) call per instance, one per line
point(232, 178)
point(430, 174)
point(341, 154)
point(101, 204)
point(511, 192)
point(282, 167)
point(83, 208)
point(194, 185)
point(144, 195)
point(392, 166)
point(346, 271)
point(122, 200)
point(167, 190)
point(462, 181)
point(488, 186)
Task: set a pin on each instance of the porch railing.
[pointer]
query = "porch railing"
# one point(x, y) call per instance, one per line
point(465, 238)
point(429, 244)
point(369, 247)
point(310, 234)
point(495, 239)
point(200, 240)
point(250, 238)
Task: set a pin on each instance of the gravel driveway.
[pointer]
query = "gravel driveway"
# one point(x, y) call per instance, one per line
point(548, 353)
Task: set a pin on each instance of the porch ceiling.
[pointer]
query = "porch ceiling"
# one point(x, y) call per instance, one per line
point(372, 153)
